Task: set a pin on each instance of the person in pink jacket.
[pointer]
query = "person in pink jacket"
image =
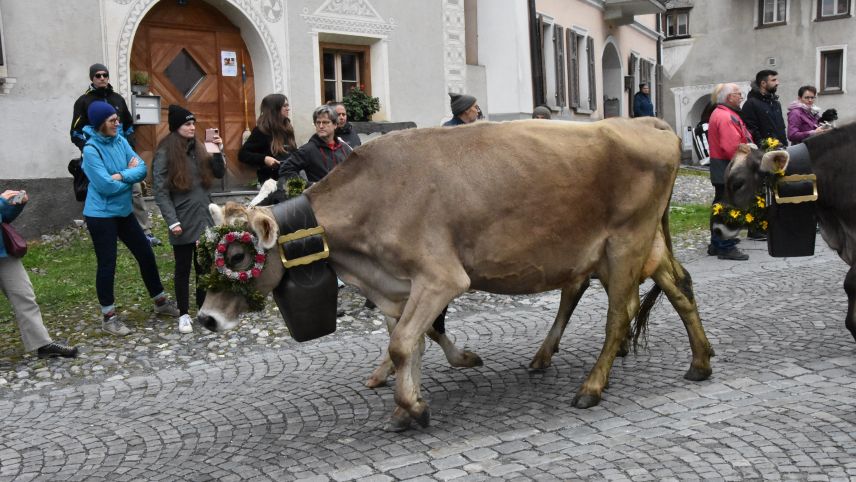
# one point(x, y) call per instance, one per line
point(726, 131)
point(804, 116)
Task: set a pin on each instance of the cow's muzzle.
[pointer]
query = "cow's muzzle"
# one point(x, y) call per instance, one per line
point(207, 321)
point(724, 232)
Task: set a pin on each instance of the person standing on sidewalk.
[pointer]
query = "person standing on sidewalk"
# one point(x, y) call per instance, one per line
point(271, 140)
point(113, 168)
point(465, 110)
point(100, 89)
point(16, 285)
point(642, 105)
point(344, 130)
point(762, 112)
point(183, 174)
point(726, 131)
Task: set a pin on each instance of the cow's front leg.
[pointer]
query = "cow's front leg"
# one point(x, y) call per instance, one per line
point(850, 289)
point(381, 374)
point(457, 357)
point(571, 296)
point(623, 293)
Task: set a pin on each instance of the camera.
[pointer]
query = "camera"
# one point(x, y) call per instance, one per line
point(211, 133)
point(18, 198)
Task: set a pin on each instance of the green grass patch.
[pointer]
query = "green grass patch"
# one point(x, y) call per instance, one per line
point(688, 217)
point(684, 171)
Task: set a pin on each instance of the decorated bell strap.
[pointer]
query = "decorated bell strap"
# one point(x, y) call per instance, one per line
point(301, 240)
point(799, 184)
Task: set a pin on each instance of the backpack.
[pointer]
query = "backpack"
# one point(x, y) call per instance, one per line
point(79, 180)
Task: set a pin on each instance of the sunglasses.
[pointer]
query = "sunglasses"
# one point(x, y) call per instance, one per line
point(101, 76)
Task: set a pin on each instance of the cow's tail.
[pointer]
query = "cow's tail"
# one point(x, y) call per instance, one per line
point(640, 324)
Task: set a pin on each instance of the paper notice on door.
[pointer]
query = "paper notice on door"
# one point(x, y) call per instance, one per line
point(230, 63)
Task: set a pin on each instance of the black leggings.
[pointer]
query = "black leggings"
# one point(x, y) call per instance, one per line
point(185, 254)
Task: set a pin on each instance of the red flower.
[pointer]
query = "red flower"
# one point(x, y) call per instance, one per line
point(260, 258)
point(256, 272)
point(221, 248)
point(243, 276)
point(246, 238)
point(220, 262)
point(229, 237)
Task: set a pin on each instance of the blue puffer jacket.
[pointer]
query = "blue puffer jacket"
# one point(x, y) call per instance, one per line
point(8, 213)
point(102, 157)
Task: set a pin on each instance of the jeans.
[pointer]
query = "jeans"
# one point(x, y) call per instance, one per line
point(185, 255)
point(720, 244)
point(105, 232)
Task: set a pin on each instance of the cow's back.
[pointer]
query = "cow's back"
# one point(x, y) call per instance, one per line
point(534, 198)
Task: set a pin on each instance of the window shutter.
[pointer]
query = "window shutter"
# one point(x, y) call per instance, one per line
point(591, 75)
point(631, 71)
point(538, 77)
point(573, 70)
point(559, 48)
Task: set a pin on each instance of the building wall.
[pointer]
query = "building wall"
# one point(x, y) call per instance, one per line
point(725, 46)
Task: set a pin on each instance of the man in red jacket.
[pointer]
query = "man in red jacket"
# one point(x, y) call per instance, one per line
point(726, 131)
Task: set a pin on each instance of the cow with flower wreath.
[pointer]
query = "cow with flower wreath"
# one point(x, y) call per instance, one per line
point(417, 217)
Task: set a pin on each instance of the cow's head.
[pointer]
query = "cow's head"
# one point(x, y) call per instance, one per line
point(747, 170)
point(228, 294)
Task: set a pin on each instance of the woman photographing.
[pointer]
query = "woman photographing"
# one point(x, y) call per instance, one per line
point(272, 140)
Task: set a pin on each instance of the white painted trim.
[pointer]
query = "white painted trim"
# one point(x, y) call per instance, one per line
point(818, 57)
point(646, 31)
point(546, 17)
point(4, 71)
point(580, 30)
point(598, 4)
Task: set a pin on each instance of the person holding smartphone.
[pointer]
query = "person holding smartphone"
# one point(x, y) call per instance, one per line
point(113, 168)
point(15, 284)
point(271, 141)
point(184, 171)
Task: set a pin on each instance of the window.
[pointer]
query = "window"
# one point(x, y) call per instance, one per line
point(559, 49)
point(831, 9)
point(553, 62)
point(831, 71)
point(343, 68)
point(677, 23)
point(772, 12)
point(581, 79)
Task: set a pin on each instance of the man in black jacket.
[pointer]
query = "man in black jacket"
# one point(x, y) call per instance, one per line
point(321, 153)
point(762, 112)
point(344, 130)
point(101, 90)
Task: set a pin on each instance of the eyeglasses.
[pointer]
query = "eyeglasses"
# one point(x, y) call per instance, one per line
point(101, 76)
point(114, 120)
point(323, 123)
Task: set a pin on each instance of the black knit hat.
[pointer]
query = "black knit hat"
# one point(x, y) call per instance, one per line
point(95, 68)
point(178, 115)
point(461, 102)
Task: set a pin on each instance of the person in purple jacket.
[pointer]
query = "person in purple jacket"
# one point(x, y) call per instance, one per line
point(804, 116)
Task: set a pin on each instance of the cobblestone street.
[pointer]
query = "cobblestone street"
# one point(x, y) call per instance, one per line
point(779, 405)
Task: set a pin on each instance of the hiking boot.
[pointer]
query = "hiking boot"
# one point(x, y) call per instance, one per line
point(756, 236)
point(711, 250)
point(153, 240)
point(53, 349)
point(167, 308)
point(185, 324)
point(733, 254)
point(115, 326)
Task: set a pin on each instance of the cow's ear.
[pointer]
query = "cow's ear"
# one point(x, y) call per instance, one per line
point(216, 213)
point(265, 228)
point(740, 155)
point(774, 161)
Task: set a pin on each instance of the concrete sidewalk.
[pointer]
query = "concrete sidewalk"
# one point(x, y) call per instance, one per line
point(779, 405)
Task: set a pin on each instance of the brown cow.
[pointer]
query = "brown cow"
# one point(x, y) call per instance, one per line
point(417, 217)
point(831, 159)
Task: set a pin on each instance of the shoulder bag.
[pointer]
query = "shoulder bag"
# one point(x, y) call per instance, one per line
point(16, 245)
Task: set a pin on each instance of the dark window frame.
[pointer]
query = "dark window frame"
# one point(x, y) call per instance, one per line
point(674, 14)
point(822, 18)
point(778, 23)
point(824, 84)
point(559, 58)
point(363, 53)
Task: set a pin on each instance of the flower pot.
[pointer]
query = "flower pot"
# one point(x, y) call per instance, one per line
point(139, 89)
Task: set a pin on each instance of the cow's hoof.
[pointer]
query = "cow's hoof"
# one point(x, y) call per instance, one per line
point(467, 359)
point(398, 422)
point(586, 401)
point(538, 364)
point(711, 351)
point(373, 382)
point(421, 414)
point(698, 374)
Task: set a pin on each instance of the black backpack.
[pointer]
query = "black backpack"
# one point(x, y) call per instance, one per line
point(79, 179)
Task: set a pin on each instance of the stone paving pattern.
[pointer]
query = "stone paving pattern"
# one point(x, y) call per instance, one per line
point(779, 405)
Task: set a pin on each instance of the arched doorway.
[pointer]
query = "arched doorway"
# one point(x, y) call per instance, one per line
point(182, 48)
point(612, 81)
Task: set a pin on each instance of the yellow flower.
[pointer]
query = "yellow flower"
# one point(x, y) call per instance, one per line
point(717, 208)
point(749, 218)
point(734, 213)
point(764, 225)
point(759, 201)
point(771, 143)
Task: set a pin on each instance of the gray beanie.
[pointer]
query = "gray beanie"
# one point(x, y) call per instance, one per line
point(461, 102)
point(541, 112)
point(95, 68)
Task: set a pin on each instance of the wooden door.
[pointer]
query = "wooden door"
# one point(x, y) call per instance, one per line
point(180, 47)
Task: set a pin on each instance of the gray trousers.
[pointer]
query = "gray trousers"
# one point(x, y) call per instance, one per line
point(140, 209)
point(17, 287)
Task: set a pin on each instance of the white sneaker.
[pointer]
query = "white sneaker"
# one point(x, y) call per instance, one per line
point(185, 324)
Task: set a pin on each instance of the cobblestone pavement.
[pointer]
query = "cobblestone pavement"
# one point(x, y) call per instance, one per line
point(779, 405)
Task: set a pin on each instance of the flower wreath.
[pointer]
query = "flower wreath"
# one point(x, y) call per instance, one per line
point(211, 249)
point(755, 216)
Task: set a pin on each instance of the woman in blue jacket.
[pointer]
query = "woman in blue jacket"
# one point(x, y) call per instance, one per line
point(16, 285)
point(112, 168)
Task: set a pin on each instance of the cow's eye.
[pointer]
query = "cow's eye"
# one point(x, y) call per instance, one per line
point(238, 257)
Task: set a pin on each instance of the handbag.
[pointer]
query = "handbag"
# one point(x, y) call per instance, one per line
point(79, 179)
point(16, 245)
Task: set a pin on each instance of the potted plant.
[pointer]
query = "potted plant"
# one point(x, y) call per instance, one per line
point(360, 106)
point(139, 82)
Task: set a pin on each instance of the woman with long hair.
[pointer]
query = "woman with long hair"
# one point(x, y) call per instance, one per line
point(272, 140)
point(183, 174)
point(113, 168)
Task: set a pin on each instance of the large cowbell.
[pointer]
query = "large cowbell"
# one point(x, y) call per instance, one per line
point(791, 217)
point(306, 295)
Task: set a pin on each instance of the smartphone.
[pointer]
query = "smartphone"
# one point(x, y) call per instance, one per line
point(18, 198)
point(211, 133)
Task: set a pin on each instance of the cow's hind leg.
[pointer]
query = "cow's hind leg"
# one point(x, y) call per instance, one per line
point(381, 374)
point(571, 296)
point(850, 289)
point(676, 283)
point(623, 294)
